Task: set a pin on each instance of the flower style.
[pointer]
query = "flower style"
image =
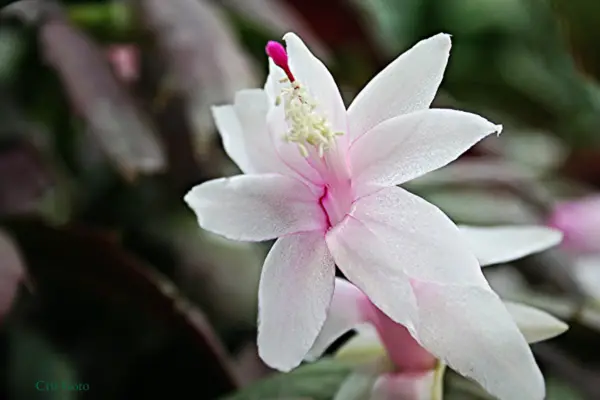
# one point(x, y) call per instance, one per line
point(323, 181)
point(395, 366)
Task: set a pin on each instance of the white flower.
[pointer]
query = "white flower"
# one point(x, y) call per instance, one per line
point(322, 179)
point(470, 339)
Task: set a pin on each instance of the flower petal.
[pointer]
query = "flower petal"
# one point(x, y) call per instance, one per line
point(469, 329)
point(249, 133)
point(274, 84)
point(363, 258)
point(408, 84)
point(414, 236)
point(500, 244)
point(255, 207)
point(426, 385)
point(359, 384)
point(348, 308)
point(406, 147)
point(587, 273)
point(579, 220)
point(229, 126)
point(243, 128)
point(317, 79)
point(295, 290)
point(288, 152)
point(536, 325)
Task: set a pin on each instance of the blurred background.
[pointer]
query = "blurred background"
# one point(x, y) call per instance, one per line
point(108, 284)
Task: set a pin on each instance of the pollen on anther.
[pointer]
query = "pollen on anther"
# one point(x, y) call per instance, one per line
point(279, 56)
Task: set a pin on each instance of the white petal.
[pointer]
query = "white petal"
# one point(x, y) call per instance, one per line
point(273, 85)
point(359, 384)
point(469, 329)
point(363, 258)
point(255, 207)
point(536, 325)
point(232, 134)
point(409, 386)
point(408, 84)
point(243, 128)
point(406, 147)
point(252, 137)
point(345, 312)
point(288, 152)
point(295, 290)
point(587, 273)
point(500, 244)
point(317, 79)
point(416, 237)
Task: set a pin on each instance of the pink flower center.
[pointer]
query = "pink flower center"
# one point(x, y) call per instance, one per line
point(309, 129)
point(336, 201)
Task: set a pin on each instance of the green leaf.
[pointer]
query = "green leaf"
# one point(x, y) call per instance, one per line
point(509, 59)
point(394, 23)
point(109, 22)
point(318, 381)
point(557, 389)
point(12, 48)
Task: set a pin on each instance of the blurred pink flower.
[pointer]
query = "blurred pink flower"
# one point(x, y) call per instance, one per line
point(468, 344)
point(125, 60)
point(323, 180)
point(579, 220)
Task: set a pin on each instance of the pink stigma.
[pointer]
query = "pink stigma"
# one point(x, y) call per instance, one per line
point(279, 56)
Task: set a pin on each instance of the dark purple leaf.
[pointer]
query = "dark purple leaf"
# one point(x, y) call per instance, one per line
point(279, 18)
point(11, 272)
point(82, 263)
point(24, 177)
point(340, 25)
point(120, 128)
point(204, 61)
point(29, 11)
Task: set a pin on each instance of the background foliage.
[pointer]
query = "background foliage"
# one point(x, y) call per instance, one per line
point(106, 279)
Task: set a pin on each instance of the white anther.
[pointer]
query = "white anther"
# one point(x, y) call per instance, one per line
point(307, 126)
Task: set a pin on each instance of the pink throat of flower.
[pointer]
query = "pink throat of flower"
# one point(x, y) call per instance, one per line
point(404, 351)
point(279, 56)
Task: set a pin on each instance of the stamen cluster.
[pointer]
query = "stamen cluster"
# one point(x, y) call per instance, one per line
point(307, 126)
